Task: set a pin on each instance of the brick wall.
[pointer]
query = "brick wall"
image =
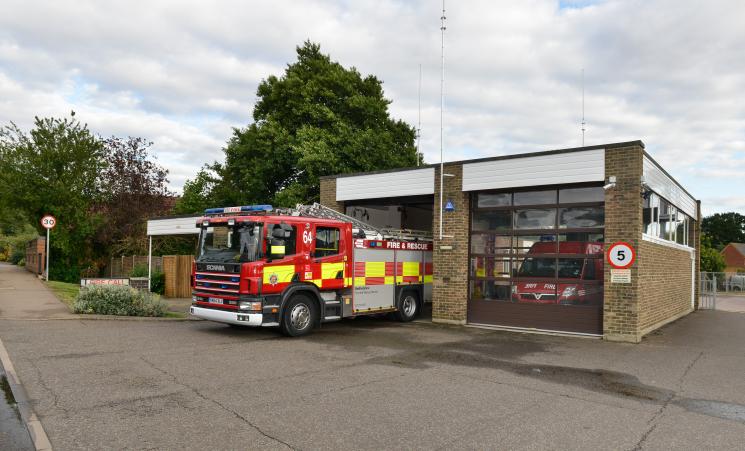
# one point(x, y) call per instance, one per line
point(623, 222)
point(328, 194)
point(450, 256)
point(36, 255)
point(661, 277)
point(733, 259)
point(665, 284)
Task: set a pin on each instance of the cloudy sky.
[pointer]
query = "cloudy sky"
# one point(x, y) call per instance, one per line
point(668, 72)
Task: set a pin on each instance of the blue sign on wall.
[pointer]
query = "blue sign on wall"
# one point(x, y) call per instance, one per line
point(449, 206)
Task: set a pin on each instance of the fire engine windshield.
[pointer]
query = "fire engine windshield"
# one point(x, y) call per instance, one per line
point(226, 244)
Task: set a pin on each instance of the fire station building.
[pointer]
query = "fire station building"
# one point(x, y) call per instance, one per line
point(526, 238)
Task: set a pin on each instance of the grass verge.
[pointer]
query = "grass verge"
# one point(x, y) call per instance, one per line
point(65, 292)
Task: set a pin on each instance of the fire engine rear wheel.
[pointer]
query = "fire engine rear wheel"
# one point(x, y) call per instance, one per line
point(299, 316)
point(408, 306)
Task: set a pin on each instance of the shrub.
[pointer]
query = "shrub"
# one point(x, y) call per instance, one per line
point(139, 271)
point(117, 300)
point(18, 254)
point(63, 271)
point(22, 262)
point(158, 282)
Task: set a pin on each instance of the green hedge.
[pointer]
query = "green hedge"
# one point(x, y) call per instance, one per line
point(158, 282)
point(117, 300)
point(139, 271)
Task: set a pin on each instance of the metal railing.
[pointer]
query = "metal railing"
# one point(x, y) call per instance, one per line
point(708, 290)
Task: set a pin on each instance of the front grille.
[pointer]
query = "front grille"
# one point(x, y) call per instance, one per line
point(217, 283)
point(230, 268)
point(538, 296)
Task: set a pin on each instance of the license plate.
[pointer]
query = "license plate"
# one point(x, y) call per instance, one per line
point(214, 300)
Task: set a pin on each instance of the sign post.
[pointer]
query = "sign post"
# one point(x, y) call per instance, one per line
point(48, 222)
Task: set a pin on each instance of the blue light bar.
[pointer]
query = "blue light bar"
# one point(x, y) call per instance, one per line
point(241, 209)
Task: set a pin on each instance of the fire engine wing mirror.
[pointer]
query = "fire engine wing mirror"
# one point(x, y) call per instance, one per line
point(280, 234)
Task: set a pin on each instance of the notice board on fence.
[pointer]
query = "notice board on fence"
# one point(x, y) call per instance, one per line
point(177, 271)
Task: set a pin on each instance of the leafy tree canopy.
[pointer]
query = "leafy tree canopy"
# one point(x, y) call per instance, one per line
point(711, 259)
point(724, 228)
point(100, 191)
point(197, 194)
point(55, 169)
point(317, 119)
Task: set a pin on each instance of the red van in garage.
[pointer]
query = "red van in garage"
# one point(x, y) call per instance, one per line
point(580, 279)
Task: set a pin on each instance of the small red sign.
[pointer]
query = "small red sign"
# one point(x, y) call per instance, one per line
point(621, 255)
point(48, 222)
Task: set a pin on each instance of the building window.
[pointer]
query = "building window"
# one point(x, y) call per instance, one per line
point(538, 247)
point(664, 221)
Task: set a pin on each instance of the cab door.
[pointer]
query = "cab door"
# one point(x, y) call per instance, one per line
point(327, 252)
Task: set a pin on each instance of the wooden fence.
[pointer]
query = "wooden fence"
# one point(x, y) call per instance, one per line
point(177, 269)
point(123, 266)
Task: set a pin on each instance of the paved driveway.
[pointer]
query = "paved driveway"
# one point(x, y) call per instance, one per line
point(372, 384)
point(731, 303)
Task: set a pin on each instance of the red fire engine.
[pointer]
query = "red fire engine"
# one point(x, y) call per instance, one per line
point(299, 268)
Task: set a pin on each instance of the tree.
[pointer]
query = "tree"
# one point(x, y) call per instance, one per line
point(711, 259)
point(317, 119)
point(197, 194)
point(134, 189)
point(55, 169)
point(724, 228)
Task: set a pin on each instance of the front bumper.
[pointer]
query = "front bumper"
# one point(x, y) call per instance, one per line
point(221, 316)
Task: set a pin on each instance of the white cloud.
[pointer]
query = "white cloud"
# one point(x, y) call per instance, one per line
point(183, 74)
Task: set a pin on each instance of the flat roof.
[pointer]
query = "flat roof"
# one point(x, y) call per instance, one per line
point(500, 157)
point(637, 142)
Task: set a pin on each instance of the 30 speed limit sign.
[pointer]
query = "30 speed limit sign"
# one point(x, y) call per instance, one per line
point(48, 222)
point(621, 255)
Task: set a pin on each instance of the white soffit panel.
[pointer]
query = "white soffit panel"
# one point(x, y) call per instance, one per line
point(659, 182)
point(551, 169)
point(413, 182)
point(173, 226)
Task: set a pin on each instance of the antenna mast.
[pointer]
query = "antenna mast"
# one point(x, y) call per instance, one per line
point(419, 155)
point(442, 108)
point(583, 107)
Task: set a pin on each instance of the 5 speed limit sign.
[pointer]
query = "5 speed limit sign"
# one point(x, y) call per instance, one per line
point(621, 255)
point(48, 222)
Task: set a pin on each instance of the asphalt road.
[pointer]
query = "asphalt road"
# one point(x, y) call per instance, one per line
point(369, 384)
point(374, 384)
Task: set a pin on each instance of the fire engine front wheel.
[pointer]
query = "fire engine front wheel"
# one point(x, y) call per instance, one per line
point(408, 306)
point(299, 316)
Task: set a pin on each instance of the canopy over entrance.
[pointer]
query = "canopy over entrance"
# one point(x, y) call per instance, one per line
point(168, 226)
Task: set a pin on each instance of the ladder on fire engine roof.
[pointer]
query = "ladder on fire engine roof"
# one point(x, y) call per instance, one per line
point(317, 210)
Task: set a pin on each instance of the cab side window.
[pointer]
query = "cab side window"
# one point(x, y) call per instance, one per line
point(327, 242)
point(289, 243)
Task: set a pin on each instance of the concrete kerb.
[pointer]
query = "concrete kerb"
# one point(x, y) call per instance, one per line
point(104, 318)
point(33, 425)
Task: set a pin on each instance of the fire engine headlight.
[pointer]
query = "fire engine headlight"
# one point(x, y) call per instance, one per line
point(569, 292)
point(248, 305)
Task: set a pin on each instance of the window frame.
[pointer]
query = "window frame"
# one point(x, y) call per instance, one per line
point(338, 241)
point(658, 227)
